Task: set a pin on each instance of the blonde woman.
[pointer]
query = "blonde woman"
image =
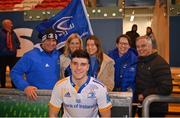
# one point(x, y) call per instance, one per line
point(101, 65)
point(73, 43)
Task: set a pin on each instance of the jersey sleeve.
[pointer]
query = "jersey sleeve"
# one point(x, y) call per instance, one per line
point(103, 100)
point(56, 97)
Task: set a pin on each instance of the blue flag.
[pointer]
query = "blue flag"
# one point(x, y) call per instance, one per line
point(72, 19)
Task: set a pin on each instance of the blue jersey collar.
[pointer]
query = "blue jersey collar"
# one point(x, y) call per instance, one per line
point(83, 86)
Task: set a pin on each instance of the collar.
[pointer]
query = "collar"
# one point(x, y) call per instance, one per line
point(82, 86)
point(148, 58)
point(39, 47)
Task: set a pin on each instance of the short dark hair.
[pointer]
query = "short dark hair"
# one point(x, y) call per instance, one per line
point(80, 54)
point(125, 36)
point(134, 25)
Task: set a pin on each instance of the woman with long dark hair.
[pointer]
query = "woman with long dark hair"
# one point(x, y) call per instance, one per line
point(101, 65)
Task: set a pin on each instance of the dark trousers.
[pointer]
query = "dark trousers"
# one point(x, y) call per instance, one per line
point(6, 61)
point(138, 110)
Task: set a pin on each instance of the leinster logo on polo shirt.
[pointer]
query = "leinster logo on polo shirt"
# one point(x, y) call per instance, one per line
point(91, 95)
point(78, 98)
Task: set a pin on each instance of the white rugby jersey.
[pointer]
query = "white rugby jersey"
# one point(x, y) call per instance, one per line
point(80, 102)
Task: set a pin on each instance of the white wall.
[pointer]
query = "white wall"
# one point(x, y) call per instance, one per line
point(142, 23)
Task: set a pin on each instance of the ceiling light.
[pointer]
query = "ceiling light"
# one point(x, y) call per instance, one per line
point(30, 17)
point(43, 12)
point(120, 10)
point(99, 11)
point(25, 13)
point(38, 17)
point(132, 18)
point(114, 14)
point(105, 14)
point(48, 12)
point(133, 12)
point(93, 11)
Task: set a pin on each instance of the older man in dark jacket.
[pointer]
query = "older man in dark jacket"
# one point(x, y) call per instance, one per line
point(153, 76)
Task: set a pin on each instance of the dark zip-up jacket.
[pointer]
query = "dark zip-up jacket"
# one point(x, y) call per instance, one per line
point(153, 77)
point(4, 51)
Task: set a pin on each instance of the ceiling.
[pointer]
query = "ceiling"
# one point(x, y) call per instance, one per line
point(139, 7)
point(139, 2)
point(10, 5)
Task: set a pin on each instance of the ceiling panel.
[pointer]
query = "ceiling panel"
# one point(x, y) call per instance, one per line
point(139, 2)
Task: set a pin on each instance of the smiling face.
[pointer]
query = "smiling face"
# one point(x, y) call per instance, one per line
point(79, 67)
point(74, 44)
point(144, 46)
point(91, 47)
point(123, 45)
point(49, 44)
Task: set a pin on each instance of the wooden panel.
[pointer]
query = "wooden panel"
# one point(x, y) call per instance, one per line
point(177, 1)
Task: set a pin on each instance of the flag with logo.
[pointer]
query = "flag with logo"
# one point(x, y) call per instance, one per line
point(71, 19)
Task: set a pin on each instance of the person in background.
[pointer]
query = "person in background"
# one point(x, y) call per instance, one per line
point(39, 65)
point(9, 44)
point(125, 64)
point(101, 65)
point(73, 43)
point(150, 34)
point(133, 35)
point(80, 94)
point(153, 76)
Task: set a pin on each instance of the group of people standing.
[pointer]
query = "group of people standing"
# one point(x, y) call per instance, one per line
point(90, 73)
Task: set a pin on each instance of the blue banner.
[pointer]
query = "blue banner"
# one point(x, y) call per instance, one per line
point(72, 19)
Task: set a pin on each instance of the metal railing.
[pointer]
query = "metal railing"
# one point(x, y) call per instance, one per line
point(14, 103)
point(157, 98)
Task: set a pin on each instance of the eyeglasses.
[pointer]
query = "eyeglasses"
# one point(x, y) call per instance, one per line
point(122, 43)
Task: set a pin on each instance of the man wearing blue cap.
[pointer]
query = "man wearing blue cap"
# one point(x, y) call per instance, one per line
point(40, 67)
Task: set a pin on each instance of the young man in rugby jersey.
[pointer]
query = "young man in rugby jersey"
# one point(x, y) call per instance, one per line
point(81, 95)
